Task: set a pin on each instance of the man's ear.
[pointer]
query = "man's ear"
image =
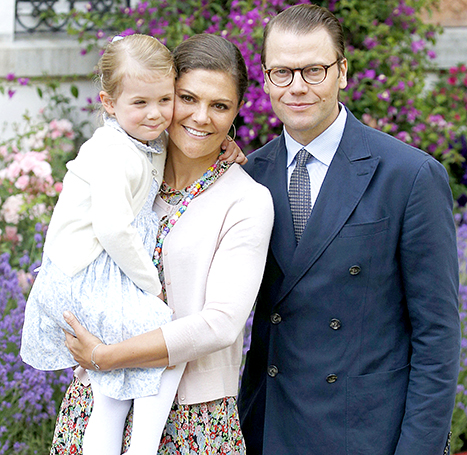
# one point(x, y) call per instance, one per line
point(107, 102)
point(343, 67)
point(265, 85)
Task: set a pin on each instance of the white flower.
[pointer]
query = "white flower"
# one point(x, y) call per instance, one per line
point(11, 208)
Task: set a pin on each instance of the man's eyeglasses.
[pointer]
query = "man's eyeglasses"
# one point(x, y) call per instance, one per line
point(311, 74)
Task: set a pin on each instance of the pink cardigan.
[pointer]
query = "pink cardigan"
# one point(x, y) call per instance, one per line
point(214, 259)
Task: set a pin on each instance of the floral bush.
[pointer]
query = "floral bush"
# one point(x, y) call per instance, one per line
point(28, 397)
point(32, 166)
point(390, 56)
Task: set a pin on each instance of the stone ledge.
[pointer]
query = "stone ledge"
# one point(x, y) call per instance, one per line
point(32, 56)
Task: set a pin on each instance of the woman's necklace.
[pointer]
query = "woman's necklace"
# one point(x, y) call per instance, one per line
point(197, 187)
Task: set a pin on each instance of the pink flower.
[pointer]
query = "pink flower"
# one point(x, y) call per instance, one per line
point(13, 171)
point(10, 77)
point(11, 233)
point(38, 210)
point(11, 208)
point(25, 280)
point(42, 169)
point(22, 182)
point(58, 187)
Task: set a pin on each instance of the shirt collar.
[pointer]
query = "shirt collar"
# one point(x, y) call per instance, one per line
point(156, 146)
point(323, 147)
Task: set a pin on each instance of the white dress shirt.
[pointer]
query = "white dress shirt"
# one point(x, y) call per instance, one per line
point(322, 149)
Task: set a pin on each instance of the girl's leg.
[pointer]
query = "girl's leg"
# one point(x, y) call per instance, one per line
point(150, 414)
point(104, 433)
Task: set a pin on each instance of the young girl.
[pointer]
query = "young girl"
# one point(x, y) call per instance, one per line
point(97, 254)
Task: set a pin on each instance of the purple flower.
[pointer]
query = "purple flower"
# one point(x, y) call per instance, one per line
point(385, 96)
point(370, 42)
point(370, 74)
point(10, 77)
point(418, 46)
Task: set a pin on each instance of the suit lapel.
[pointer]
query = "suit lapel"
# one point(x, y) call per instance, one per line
point(271, 171)
point(349, 174)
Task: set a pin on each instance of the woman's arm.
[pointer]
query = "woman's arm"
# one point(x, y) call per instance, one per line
point(144, 351)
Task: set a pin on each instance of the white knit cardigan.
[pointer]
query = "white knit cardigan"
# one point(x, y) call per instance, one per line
point(213, 260)
point(104, 189)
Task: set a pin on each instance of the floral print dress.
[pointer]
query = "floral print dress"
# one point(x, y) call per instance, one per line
point(204, 428)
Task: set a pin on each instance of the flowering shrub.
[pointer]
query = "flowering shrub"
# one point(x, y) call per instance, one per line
point(7, 84)
point(447, 102)
point(388, 49)
point(32, 166)
point(28, 397)
point(459, 420)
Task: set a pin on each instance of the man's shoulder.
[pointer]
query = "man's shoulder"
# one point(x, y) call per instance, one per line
point(381, 144)
point(268, 151)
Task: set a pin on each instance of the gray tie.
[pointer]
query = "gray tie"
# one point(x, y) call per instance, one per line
point(300, 193)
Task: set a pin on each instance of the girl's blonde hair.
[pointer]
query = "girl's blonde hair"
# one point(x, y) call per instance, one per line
point(138, 56)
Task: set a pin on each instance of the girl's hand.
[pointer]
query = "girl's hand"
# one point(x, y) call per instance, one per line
point(232, 152)
point(82, 345)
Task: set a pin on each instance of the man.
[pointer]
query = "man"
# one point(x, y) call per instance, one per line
point(356, 335)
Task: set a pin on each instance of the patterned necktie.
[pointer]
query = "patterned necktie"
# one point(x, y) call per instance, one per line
point(300, 193)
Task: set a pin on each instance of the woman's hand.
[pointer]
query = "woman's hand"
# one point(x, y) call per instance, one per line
point(232, 152)
point(147, 350)
point(82, 345)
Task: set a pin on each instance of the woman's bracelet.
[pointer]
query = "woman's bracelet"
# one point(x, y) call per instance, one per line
point(95, 365)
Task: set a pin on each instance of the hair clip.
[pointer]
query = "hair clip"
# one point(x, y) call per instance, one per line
point(117, 38)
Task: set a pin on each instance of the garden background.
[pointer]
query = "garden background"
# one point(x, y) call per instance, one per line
point(394, 85)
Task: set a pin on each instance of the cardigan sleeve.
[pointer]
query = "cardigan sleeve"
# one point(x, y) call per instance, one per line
point(232, 283)
point(113, 185)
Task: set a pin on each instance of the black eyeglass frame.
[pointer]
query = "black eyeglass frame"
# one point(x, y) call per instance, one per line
point(294, 70)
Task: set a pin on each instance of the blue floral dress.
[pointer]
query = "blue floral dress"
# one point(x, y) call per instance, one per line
point(107, 303)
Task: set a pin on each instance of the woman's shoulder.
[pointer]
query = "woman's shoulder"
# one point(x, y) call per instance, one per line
point(239, 189)
point(245, 184)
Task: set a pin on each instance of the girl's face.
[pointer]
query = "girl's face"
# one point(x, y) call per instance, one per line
point(206, 103)
point(144, 109)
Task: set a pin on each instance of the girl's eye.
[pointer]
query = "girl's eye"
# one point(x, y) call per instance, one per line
point(139, 102)
point(166, 100)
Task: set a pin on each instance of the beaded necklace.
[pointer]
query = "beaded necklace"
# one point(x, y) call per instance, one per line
point(197, 187)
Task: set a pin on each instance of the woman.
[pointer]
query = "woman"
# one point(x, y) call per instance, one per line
point(213, 246)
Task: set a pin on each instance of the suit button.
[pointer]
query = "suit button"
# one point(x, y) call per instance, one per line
point(331, 378)
point(276, 318)
point(273, 371)
point(335, 324)
point(355, 270)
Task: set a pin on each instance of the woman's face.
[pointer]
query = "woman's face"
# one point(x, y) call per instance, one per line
point(206, 104)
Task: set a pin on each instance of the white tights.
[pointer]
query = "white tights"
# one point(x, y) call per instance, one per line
point(104, 433)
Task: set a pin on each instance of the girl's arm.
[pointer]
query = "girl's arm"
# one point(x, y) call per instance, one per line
point(232, 152)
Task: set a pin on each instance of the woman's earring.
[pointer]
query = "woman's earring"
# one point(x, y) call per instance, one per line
point(234, 134)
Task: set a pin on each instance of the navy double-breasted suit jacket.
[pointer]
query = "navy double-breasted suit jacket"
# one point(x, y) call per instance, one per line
point(356, 334)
